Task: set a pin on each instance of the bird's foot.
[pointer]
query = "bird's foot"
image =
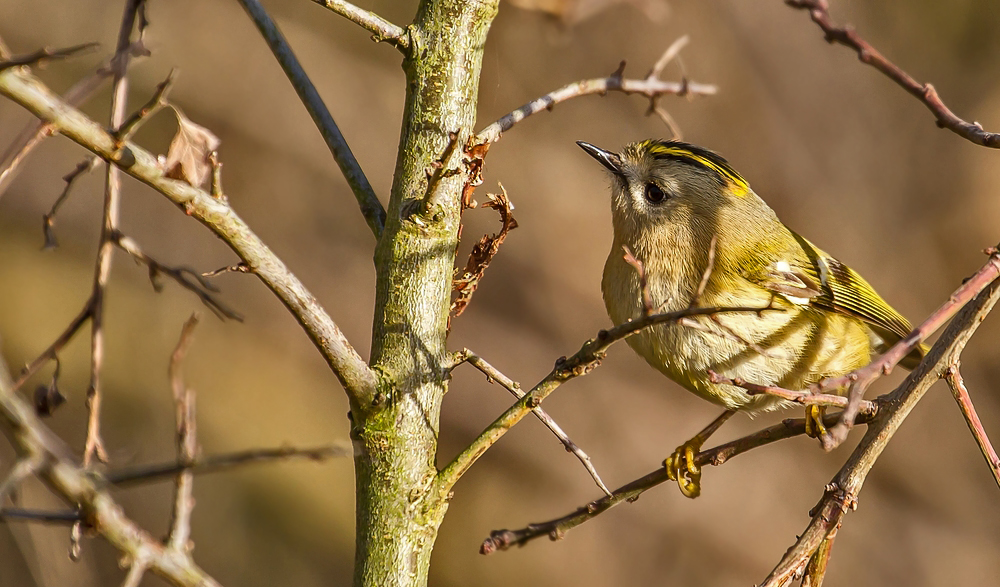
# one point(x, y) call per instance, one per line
point(814, 421)
point(682, 467)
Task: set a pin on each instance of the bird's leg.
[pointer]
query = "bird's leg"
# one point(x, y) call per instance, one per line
point(681, 466)
point(814, 421)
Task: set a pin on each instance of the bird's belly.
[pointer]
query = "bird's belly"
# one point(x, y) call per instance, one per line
point(790, 349)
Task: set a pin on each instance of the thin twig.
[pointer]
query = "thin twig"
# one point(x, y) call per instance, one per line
point(187, 442)
point(805, 398)
point(371, 208)
point(380, 28)
point(556, 529)
point(94, 446)
point(36, 131)
point(57, 345)
point(846, 36)
point(495, 375)
point(24, 467)
point(961, 394)
point(18, 514)
point(186, 277)
point(45, 54)
point(49, 219)
point(211, 464)
point(155, 103)
point(136, 570)
point(652, 87)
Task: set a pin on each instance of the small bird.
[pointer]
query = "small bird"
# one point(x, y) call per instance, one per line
point(676, 208)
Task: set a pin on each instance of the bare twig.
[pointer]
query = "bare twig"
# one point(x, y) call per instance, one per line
point(972, 131)
point(45, 54)
point(640, 270)
point(57, 345)
point(94, 446)
point(155, 103)
point(24, 467)
point(652, 87)
point(371, 208)
point(237, 268)
point(860, 379)
point(49, 219)
point(957, 384)
point(556, 529)
point(495, 375)
point(186, 277)
point(353, 372)
point(585, 360)
point(805, 398)
point(380, 28)
point(64, 517)
point(842, 493)
point(80, 487)
point(211, 464)
point(36, 131)
point(187, 442)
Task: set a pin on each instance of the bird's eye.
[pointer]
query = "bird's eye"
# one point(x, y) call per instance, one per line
point(654, 195)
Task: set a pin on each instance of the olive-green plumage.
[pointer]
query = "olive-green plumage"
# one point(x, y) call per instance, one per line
point(669, 200)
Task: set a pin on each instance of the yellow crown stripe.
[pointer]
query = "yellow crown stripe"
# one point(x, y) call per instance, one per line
point(657, 148)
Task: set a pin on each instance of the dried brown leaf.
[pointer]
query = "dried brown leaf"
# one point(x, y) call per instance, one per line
point(189, 156)
point(467, 280)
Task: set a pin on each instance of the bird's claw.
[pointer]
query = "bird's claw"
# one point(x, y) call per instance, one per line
point(814, 421)
point(682, 468)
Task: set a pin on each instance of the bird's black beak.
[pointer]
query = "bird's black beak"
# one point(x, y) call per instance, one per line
point(606, 158)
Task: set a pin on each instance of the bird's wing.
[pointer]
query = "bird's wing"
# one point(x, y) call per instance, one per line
point(811, 277)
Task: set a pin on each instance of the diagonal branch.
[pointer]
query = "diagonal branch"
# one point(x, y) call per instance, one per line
point(957, 384)
point(45, 54)
point(371, 208)
point(846, 36)
point(557, 528)
point(842, 493)
point(380, 28)
point(186, 277)
point(584, 361)
point(860, 379)
point(352, 371)
point(651, 87)
point(495, 375)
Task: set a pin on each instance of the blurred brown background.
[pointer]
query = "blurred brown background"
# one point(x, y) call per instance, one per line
point(841, 153)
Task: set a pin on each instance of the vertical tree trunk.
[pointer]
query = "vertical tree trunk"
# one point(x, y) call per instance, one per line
point(397, 517)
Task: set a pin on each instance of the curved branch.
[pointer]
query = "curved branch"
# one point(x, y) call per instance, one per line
point(846, 36)
point(651, 87)
point(371, 208)
point(352, 371)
